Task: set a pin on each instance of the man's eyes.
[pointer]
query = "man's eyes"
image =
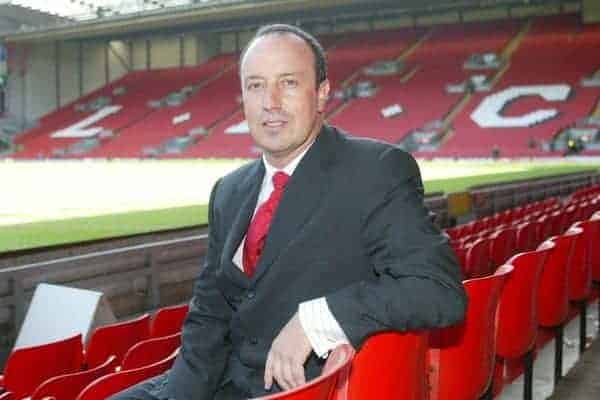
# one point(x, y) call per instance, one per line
point(254, 85)
point(287, 83)
point(290, 83)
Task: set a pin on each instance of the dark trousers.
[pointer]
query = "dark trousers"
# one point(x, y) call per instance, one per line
point(155, 389)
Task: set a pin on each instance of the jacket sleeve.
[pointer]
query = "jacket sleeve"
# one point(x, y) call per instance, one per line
point(416, 280)
point(198, 368)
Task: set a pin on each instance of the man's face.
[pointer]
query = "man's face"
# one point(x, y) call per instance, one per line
point(282, 104)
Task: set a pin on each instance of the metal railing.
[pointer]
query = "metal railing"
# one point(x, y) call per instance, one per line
point(499, 197)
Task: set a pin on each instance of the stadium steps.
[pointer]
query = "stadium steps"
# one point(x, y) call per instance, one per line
point(596, 112)
point(514, 44)
point(406, 77)
point(415, 45)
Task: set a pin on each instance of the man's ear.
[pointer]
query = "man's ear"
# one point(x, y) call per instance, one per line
point(323, 95)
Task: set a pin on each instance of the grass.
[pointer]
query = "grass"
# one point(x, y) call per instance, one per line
point(48, 233)
point(450, 185)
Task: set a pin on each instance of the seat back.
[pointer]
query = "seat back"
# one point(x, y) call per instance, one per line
point(329, 386)
point(385, 360)
point(595, 250)
point(168, 320)
point(461, 357)
point(150, 351)
point(68, 386)
point(115, 339)
point(106, 386)
point(517, 322)
point(28, 367)
point(580, 275)
point(556, 222)
point(477, 259)
point(525, 236)
point(545, 227)
point(502, 244)
point(553, 288)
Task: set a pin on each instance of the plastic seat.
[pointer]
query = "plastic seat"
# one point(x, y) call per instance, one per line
point(580, 277)
point(150, 351)
point(115, 339)
point(553, 293)
point(68, 386)
point(28, 367)
point(331, 385)
point(461, 357)
point(525, 236)
point(477, 259)
point(556, 222)
point(595, 257)
point(502, 245)
point(569, 217)
point(168, 320)
point(113, 383)
point(385, 360)
point(545, 227)
point(517, 323)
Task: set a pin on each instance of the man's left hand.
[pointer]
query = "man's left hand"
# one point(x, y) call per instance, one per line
point(289, 351)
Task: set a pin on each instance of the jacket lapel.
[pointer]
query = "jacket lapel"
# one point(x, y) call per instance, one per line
point(245, 196)
point(301, 197)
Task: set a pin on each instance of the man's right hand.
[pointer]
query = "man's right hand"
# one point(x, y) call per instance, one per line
point(285, 361)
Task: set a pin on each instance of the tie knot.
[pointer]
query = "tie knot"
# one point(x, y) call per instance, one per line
point(280, 179)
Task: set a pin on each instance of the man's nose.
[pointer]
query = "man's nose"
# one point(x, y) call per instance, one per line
point(272, 98)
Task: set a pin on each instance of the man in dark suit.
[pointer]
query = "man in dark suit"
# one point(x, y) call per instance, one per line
point(324, 241)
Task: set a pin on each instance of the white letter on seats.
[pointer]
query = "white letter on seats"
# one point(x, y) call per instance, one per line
point(79, 130)
point(488, 113)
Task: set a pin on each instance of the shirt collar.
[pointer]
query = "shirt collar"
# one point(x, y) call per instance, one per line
point(288, 169)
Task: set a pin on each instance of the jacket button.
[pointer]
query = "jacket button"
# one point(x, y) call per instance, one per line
point(250, 295)
point(253, 341)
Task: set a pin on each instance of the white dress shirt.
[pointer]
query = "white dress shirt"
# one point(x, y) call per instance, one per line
point(320, 326)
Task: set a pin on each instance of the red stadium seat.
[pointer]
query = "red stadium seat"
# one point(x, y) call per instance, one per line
point(478, 259)
point(168, 320)
point(115, 339)
point(502, 245)
point(471, 344)
point(27, 368)
point(545, 227)
point(331, 385)
point(68, 386)
point(390, 365)
point(525, 236)
point(150, 351)
point(580, 276)
point(517, 323)
point(553, 292)
point(113, 383)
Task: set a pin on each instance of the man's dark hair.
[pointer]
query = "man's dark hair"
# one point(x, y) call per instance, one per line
point(315, 46)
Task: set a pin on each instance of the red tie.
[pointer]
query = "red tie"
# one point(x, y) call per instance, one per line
point(259, 227)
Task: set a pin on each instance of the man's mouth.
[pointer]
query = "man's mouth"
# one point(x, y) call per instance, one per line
point(274, 123)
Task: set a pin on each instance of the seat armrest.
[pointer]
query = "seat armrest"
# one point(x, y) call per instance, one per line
point(6, 396)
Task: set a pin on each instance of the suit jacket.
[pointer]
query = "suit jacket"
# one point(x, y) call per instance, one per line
point(351, 226)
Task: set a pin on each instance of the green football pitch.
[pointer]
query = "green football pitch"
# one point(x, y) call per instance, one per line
point(46, 203)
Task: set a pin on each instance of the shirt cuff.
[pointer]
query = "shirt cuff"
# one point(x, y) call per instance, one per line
point(320, 326)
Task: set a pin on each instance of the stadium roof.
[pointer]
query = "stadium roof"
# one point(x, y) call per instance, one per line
point(79, 19)
point(90, 9)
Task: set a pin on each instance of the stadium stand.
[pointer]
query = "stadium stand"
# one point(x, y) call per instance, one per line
point(473, 108)
point(568, 252)
point(556, 51)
